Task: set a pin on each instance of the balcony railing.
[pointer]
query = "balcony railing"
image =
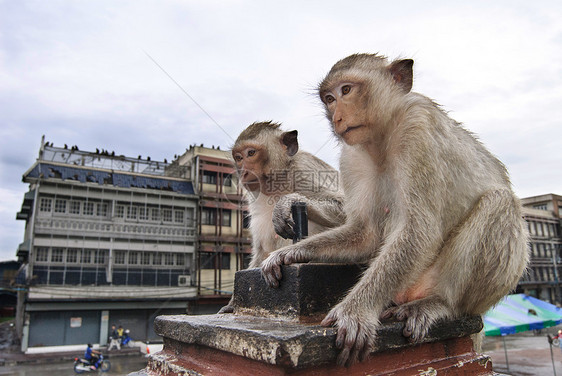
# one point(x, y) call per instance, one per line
point(76, 227)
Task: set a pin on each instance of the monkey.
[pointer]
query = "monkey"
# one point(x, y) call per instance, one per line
point(276, 174)
point(428, 208)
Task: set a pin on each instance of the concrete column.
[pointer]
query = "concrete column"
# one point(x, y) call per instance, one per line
point(25, 334)
point(104, 327)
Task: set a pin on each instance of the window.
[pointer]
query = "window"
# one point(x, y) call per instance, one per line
point(100, 257)
point(86, 256)
point(246, 258)
point(225, 261)
point(131, 212)
point(42, 254)
point(120, 257)
point(45, 205)
point(167, 215)
point(120, 211)
point(168, 258)
point(143, 214)
point(60, 206)
point(540, 207)
point(208, 216)
point(133, 258)
point(226, 215)
point(56, 254)
point(207, 260)
point(227, 180)
point(145, 258)
point(178, 216)
point(209, 177)
point(88, 208)
point(157, 259)
point(155, 214)
point(72, 255)
point(189, 216)
point(102, 210)
point(180, 259)
point(74, 207)
point(246, 219)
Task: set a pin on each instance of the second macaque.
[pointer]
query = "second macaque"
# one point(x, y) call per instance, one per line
point(276, 174)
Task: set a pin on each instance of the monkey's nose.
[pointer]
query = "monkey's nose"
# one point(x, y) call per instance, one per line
point(337, 118)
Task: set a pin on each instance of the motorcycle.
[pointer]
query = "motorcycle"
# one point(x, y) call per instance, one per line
point(82, 365)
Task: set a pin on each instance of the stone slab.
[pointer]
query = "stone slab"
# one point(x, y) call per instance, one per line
point(288, 343)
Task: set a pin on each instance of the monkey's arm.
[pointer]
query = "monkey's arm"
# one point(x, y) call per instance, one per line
point(351, 242)
point(406, 253)
point(325, 209)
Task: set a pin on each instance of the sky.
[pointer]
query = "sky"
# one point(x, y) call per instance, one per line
point(153, 77)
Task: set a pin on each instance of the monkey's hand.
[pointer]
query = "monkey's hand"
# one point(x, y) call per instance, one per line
point(282, 217)
point(356, 332)
point(271, 267)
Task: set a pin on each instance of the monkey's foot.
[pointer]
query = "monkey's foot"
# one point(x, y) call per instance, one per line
point(226, 309)
point(271, 267)
point(356, 333)
point(419, 315)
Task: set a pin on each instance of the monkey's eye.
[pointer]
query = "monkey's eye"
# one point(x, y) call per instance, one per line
point(329, 99)
point(238, 158)
point(251, 152)
point(345, 89)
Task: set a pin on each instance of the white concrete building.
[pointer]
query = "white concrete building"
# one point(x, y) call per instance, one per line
point(109, 240)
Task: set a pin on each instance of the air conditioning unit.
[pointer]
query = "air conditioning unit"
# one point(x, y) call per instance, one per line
point(183, 280)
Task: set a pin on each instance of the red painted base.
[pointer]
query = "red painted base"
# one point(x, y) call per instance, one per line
point(448, 357)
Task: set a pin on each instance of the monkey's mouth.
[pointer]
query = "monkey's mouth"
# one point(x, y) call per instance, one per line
point(252, 184)
point(350, 129)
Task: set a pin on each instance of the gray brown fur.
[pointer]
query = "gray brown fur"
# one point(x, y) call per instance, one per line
point(428, 207)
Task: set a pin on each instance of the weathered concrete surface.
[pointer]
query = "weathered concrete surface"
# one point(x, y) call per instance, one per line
point(287, 343)
point(306, 292)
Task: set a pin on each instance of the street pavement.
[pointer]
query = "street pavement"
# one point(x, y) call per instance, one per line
point(527, 354)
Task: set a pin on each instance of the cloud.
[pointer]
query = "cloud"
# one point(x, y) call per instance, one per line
point(78, 72)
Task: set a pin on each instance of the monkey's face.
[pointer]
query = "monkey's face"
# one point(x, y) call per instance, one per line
point(250, 161)
point(346, 109)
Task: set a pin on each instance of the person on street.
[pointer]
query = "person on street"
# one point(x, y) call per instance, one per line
point(92, 356)
point(114, 340)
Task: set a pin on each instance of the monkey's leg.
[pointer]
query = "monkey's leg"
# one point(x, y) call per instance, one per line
point(484, 257)
point(479, 263)
point(229, 308)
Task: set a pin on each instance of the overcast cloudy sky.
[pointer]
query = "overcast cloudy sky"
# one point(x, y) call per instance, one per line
point(87, 73)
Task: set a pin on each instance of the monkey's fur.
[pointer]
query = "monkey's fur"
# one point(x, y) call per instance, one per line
point(276, 175)
point(428, 207)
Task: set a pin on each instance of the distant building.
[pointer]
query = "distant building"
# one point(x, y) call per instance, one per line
point(544, 278)
point(8, 296)
point(223, 238)
point(109, 239)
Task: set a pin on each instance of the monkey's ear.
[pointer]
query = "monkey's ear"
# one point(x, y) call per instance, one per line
point(403, 73)
point(289, 139)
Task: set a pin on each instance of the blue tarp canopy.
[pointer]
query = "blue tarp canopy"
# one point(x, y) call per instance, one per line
point(518, 313)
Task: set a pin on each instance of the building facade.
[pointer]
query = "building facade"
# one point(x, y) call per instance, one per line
point(108, 240)
point(543, 279)
point(223, 238)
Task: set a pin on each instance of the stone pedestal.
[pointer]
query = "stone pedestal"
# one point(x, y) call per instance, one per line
point(277, 332)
